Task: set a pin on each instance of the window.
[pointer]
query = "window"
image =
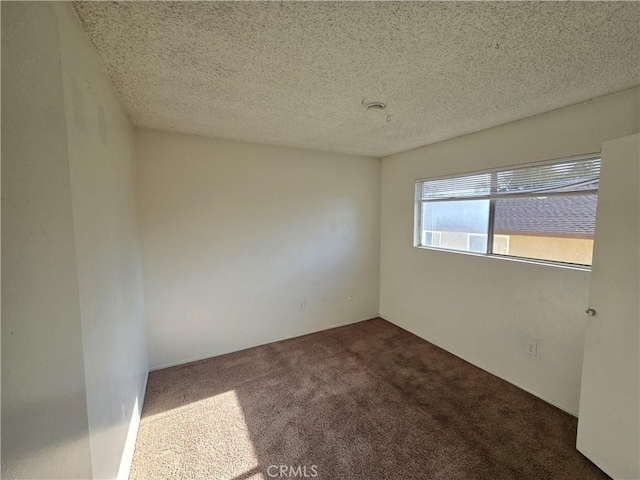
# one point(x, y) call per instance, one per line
point(432, 238)
point(449, 224)
point(477, 242)
point(543, 212)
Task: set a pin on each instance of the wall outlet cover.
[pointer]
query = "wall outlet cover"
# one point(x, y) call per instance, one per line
point(532, 348)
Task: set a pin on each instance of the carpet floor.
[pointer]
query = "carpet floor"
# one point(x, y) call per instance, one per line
point(367, 401)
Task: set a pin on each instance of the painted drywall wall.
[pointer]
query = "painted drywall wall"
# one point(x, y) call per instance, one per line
point(74, 358)
point(236, 235)
point(44, 410)
point(485, 309)
point(108, 257)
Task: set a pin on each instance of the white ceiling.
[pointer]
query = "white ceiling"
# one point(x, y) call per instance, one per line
point(296, 74)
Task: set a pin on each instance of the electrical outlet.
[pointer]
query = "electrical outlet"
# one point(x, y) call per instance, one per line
point(350, 297)
point(532, 348)
point(302, 305)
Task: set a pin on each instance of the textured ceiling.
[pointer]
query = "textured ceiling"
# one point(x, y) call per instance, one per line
point(293, 73)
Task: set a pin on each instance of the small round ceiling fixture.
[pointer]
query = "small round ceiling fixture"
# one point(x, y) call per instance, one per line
point(375, 106)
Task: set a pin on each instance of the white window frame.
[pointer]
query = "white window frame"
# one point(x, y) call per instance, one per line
point(490, 233)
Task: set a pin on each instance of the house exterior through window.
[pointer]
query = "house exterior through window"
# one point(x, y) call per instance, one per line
point(543, 211)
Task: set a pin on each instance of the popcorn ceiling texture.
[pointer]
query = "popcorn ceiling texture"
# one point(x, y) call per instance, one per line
point(296, 74)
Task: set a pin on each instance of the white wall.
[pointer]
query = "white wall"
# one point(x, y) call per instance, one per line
point(102, 171)
point(235, 235)
point(44, 409)
point(73, 344)
point(483, 309)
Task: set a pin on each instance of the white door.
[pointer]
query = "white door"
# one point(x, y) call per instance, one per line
point(609, 421)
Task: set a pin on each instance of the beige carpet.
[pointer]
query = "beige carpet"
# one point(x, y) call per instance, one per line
point(368, 401)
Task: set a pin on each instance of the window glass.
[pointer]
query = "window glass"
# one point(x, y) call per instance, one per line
point(558, 228)
point(431, 238)
point(478, 243)
point(457, 225)
point(544, 211)
point(501, 244)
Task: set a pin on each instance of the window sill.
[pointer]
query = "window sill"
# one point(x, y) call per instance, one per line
point(547, 263)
